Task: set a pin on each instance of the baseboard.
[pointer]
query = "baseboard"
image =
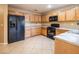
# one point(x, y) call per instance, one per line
point(3, 43)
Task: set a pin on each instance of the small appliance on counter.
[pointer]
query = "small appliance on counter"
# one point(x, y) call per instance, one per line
point(51, 31)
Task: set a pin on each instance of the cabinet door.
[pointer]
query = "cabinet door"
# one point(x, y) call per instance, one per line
point(38, 31)
point(16, 13)
point(33, 31)
point(32, 18)
point(77, 13)
point(47, 18)
point(70, 14)
point(63, 47)
point(43, 19)
point(27, 18)
point(44, 31)
point(55, 13)
point(36, 18)
point(27, 32)
point(61, 16)
point(39, 19)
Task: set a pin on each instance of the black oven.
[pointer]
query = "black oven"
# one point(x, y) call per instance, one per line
point(51, 31)
point(53, 18)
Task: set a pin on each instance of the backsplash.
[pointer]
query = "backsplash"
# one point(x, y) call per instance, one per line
point(70, 25)
point(32, 24)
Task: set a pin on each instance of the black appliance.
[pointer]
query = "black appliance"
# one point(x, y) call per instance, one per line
point(53, 18)
point(51, 31)
point(15, 28)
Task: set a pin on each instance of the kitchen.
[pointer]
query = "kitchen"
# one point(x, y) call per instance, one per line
point(50, 30)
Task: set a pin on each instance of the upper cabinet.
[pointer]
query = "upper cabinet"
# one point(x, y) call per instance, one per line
point(14, 11)
point(35, 18)
point(27, 18)
point(55, 13)
point(66, 14)
point(70, 14)
point(61, 16)
point(32, 18)
point(43, 18)
point(47, 18)
point(77, 13)
point(39, 18)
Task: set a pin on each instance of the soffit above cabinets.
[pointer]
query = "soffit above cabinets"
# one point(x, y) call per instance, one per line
point(38, 8)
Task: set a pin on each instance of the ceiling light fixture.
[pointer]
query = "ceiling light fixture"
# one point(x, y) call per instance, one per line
point(49, 6)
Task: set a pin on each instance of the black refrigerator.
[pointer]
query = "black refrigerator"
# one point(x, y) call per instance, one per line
point(16, 28)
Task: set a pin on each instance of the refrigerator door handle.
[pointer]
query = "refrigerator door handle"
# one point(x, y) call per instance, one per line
point(12, 25)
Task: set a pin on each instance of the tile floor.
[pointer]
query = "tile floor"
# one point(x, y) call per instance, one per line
point(35, 45)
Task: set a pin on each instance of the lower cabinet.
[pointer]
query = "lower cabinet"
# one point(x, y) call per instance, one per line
point(44, 31)
point(27, 32)
point(38, 31)
point(63, 47)
point(35, 31)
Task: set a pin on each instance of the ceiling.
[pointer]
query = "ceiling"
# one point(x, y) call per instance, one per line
point(39, 8)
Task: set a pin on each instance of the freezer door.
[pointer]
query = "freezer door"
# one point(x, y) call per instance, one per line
point(11, 29)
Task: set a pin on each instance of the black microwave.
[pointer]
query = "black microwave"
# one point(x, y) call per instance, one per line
point(53, 18)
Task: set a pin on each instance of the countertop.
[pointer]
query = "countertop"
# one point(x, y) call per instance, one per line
point(69, 37)
point(66, 29)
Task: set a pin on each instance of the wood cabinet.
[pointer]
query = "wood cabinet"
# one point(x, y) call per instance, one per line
point(55, 13)
point(66, 14)
point(43, 18)
point(33, 31)
point(16, 13)
point(63, 47)
point(44, 31)
point(27, 18)
point(47, 18)
point(70, 14)
point(32, 18)
point(3, 23)
point(38, 30)
point(59, 31)
point(27, 32)
point(77, 13)
point(39, 19)
point(35, 18)
point(61, 16)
